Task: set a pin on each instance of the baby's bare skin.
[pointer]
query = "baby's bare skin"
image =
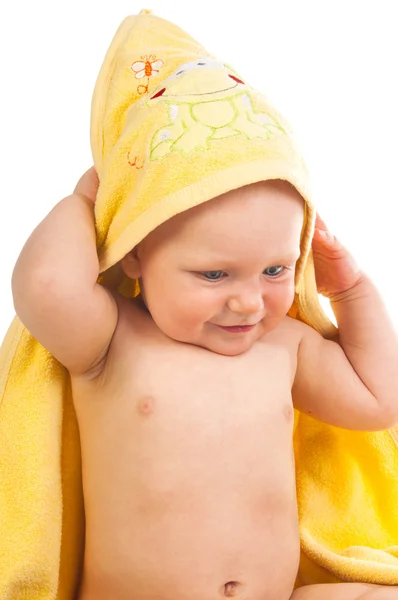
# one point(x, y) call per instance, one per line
point(203, 500)
point(346, 591)
point(186, 428)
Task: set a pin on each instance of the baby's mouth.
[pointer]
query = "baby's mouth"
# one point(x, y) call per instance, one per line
point(238, 328)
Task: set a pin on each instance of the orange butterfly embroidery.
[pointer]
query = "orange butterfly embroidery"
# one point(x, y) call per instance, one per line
point(148, 67)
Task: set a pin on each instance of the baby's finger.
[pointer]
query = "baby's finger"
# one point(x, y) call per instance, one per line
point(326, 244)
point(323, 236)
point(320, 223)
point(88, 184)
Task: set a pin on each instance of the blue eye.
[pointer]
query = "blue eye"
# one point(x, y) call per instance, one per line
point(212, 275)
point(273, 271)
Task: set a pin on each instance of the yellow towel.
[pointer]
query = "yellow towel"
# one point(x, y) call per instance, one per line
point(173, 127)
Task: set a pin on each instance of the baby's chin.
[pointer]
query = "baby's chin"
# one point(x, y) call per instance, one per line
point(215, 340)
point(235, 346)
point(225, 352)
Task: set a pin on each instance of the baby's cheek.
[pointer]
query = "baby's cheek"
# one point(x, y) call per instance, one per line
point(195, 306)
point(282, 299)
point(187, 312)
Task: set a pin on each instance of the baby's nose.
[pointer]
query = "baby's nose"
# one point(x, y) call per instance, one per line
point(248, 302)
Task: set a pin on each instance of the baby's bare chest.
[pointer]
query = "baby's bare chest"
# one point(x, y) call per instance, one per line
point(174, 403)
point(188, 457)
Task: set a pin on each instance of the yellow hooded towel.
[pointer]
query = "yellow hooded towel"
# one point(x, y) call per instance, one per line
point(173, 127)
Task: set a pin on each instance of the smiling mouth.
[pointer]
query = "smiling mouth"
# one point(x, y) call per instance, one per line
point(238, 328)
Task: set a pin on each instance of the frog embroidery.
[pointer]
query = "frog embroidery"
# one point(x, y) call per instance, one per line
point(206, 101)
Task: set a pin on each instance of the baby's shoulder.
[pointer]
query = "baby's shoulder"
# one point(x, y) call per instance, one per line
point(290, 333)
point(292, 328)
point(287, 336)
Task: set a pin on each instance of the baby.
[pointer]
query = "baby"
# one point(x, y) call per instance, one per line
point(184, 395)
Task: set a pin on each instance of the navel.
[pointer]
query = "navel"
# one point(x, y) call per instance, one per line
point(231, 589)
point(146, 405)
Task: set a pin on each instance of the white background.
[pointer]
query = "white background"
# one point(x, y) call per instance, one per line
point(329, 66)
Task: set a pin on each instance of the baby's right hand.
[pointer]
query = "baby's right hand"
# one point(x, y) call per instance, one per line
point(336, 271)
point(88, 185)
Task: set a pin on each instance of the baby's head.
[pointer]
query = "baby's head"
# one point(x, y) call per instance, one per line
point(227, 262)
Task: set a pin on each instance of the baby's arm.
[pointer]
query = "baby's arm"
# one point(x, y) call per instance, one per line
point(54, 283)
point(352, 383)
point(345, 591)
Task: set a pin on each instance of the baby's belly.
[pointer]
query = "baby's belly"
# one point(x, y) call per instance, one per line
point(195, 557)
point(188, 502)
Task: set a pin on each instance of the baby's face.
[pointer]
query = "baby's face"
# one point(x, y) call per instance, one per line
point(228, 262)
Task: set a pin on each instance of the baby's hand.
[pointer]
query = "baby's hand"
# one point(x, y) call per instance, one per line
point(88, 185)
point(335, 269)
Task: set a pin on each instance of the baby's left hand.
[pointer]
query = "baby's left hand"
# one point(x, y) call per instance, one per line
point(88, 184)
point(335, 269)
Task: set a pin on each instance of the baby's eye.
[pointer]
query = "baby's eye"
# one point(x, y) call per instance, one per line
point(273, 271)
point(212, 275)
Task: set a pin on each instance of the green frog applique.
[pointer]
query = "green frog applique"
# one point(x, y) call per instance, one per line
point(206, 101)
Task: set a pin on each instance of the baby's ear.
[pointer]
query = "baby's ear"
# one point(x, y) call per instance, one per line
point(131, 264)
